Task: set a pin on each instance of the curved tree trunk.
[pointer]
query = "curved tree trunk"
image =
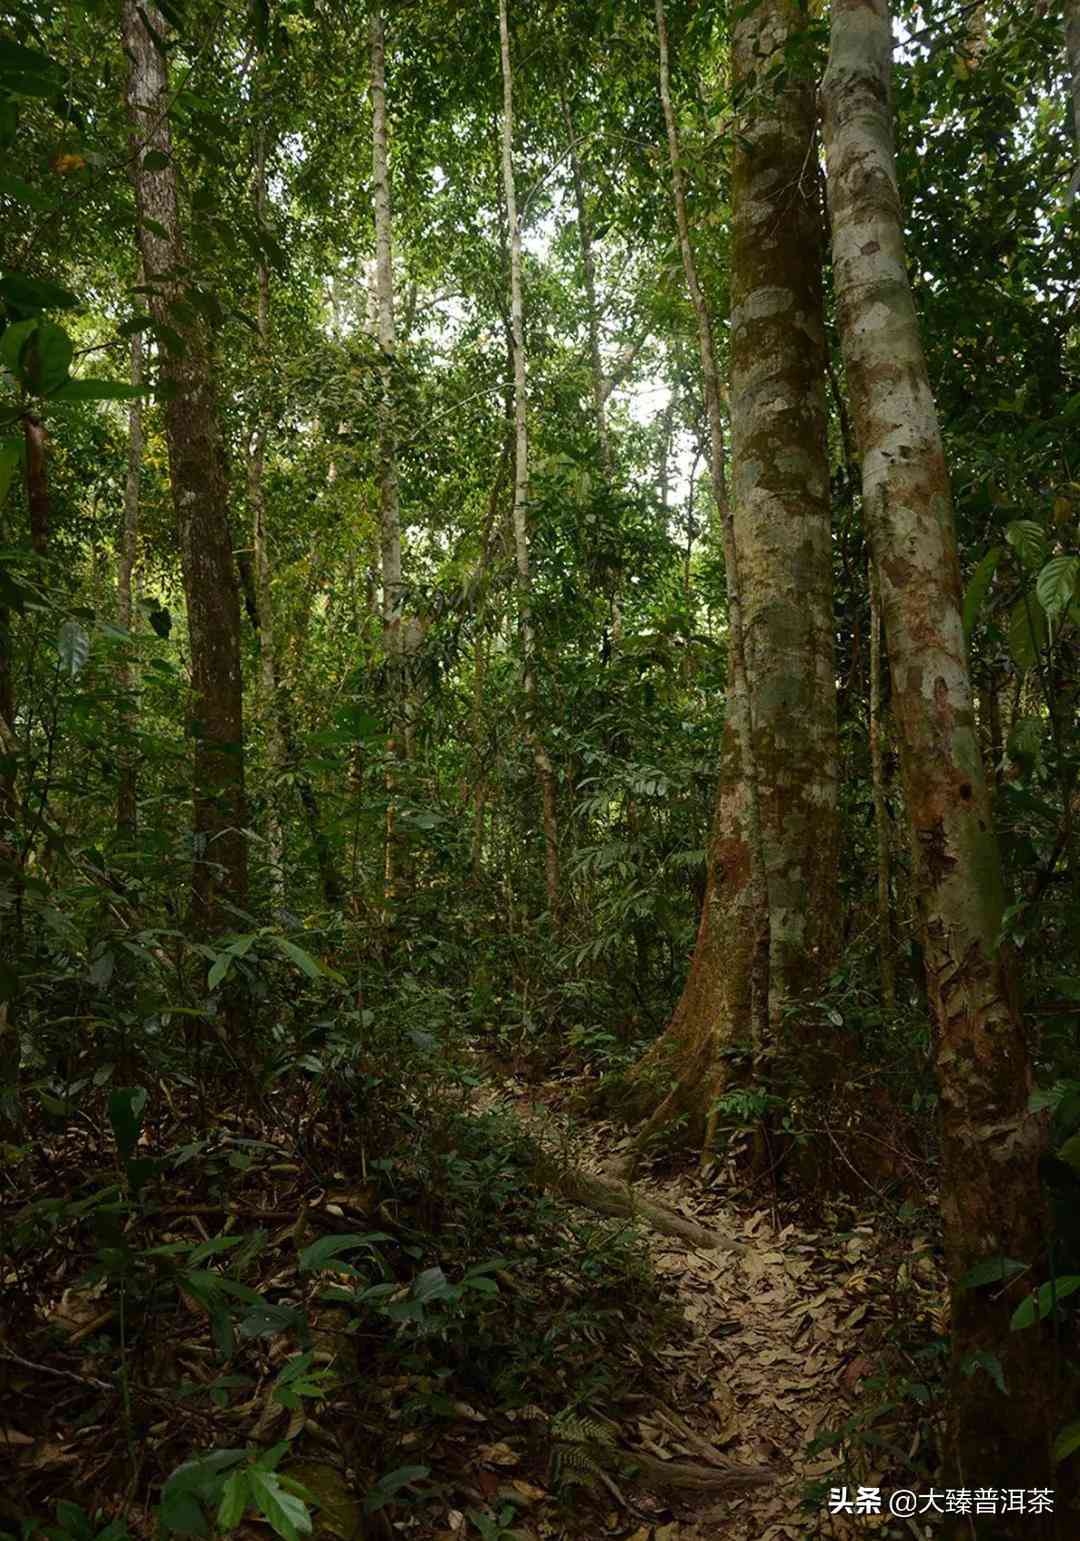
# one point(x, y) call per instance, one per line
point(200, 491)
point(990, 1143)
point(769, 922)
point(545, 771)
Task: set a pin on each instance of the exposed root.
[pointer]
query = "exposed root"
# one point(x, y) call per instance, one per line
point(609, 1196)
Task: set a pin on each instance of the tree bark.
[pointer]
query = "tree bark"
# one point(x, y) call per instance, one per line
point(389, 497)
point(990, 1143)
point(886, 957)
point(268, 681)
point(544, 769)
point(200, 493)
point(127, 789)
point(769, 922)
point(780, 495)
point(588, 267)
point(1072, 59)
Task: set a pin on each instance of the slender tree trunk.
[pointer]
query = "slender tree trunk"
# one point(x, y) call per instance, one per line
point(200, 493)
point(990, 1200)
point(127, 790)
point(37, 483)
point(268, 683)
point(544, 769)
point(744, 885)
point(389, 500)
point(588, 265)
point(1072, 59)
point(886, 957)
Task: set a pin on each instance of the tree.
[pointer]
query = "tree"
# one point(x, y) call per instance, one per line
point(199, 484)
point(770, 921)
point(545, 771)
point(1000, 1381)
point(389, 501)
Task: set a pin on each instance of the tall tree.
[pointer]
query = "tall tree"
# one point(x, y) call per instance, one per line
point(389, 495)
point(545, 771)
point(770, 919)
point(1001, 1382)
point(127, 789)
point(1072, 60)
point(199, 483)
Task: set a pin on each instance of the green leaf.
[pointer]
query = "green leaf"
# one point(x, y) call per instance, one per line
point(1056, 583)
point(219, 971)
point(235, 1501)
point(1067, 1442)
point(992, 1270)
point(22, 192)
point(978, 587)
point(1042, 1301)
point(48, 358)
point(15, 339)
point(11, 454)
point(1070, 1152)
point(1028, 540)
point(1027, 631)
point(34, 294)
point(302, 959)
point(981, 1360)
point(87, 389)
point(17, 60)
point(328, 1247)
point(288, 1515)
point(73, 645)
point(126, 1106)
point(383, 1491)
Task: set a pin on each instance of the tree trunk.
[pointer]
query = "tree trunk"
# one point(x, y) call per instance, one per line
point(886, 957)
point(1072, 60)
point(990, 1200)
point(127, 789)
point(389, 501)
point(544, 770)
point(588, 265)
point(736, 840)
point(268, 683)
point(200, 493)
point(781, 496)
point(769, 923)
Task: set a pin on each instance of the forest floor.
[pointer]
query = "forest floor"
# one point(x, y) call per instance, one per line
point(784, 1329)
point(756, 1349)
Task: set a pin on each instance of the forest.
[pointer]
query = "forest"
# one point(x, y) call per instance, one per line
point(539, 749)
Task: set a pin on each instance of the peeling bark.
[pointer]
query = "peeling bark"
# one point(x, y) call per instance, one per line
point(990, 1143)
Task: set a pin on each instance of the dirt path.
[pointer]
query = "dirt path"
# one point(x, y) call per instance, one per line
point(774, 1358)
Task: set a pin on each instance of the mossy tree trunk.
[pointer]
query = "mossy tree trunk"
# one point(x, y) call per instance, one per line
point(772, 857)
point(200, 488)
point(990, 1142)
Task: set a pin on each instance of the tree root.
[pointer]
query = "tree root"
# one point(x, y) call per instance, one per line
point(653, 1472)
point(609, 1196)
